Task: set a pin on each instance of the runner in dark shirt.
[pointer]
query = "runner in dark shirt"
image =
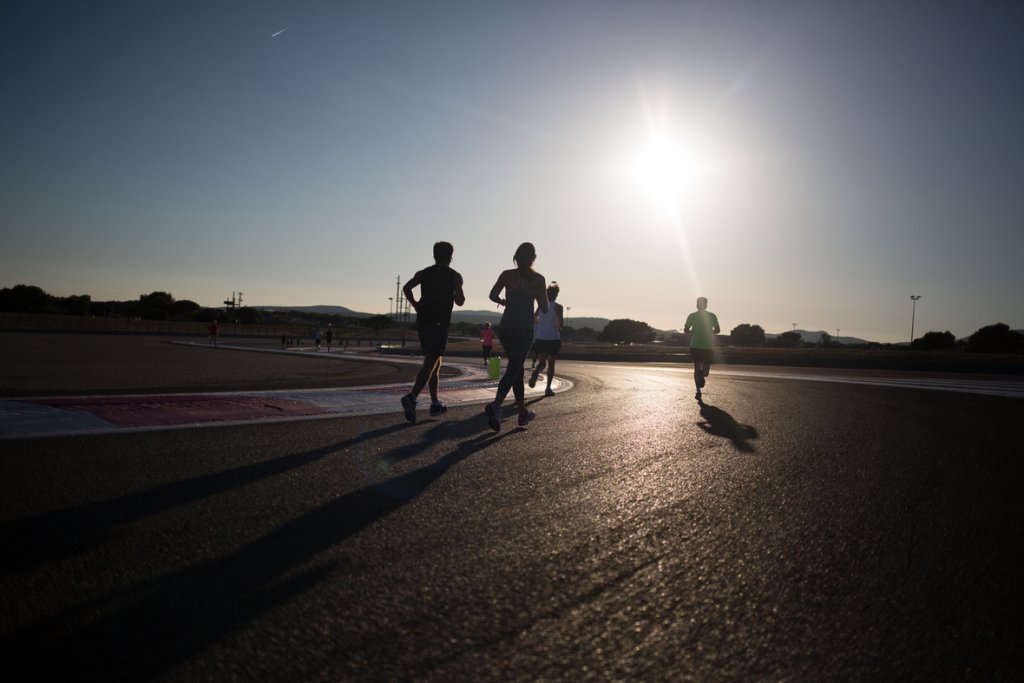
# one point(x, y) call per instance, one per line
point(440, 289)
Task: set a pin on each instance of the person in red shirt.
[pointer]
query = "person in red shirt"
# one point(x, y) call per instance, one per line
point(487, 341)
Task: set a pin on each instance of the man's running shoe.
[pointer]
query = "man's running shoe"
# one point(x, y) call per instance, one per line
point(548, 392)
point(409, 406)
point(525, 416)
point(493, 416)
point(438, 408)
point(533, 379)
point(698, 395)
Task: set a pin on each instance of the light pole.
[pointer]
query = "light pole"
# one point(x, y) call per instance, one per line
point(913, 314)
point(398, 299)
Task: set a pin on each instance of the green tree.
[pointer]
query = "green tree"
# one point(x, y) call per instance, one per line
point(206, 315)
point(746, 334)
point(74, 305)
point(100, 309)
point(246, 315)
point(466, 328)
point(934, 341)
point(626, 330)
point(585, 333)
point(159, 300)
point(26, 299)
point(791, 339)
point(379, 322)
point(184, 309)
point(998, 338)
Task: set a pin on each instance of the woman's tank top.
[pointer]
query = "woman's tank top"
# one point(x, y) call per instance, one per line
point(547, 323)
point(518, 313)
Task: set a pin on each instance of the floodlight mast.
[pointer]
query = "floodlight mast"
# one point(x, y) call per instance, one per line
point(233, 303)
point(913, 315)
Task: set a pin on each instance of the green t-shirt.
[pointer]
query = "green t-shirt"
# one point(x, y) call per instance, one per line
point(703, 324)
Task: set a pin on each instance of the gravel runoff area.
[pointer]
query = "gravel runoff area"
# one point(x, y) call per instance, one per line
point(55, 364)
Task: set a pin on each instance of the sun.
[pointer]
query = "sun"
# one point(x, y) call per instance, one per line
point(662, 167)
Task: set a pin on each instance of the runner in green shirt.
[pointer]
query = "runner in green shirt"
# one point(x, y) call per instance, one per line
point(703, 324)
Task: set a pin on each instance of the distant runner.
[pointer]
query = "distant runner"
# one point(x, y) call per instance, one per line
point(704, 326)
point(487, 341)
point(548, 341)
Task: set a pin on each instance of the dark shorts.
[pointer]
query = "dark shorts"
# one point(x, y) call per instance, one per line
point(516, 341)
point(701, 355)
point(550, 346)
point(433, 338)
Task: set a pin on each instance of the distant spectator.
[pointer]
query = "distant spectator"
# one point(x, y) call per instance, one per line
point(213, 333)
point(487, 341)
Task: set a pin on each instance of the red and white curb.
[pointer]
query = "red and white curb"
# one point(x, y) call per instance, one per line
point(76, 415)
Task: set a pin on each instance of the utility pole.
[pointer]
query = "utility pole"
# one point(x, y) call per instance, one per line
point(233, 303)
point(913, 314)
point(398, 301)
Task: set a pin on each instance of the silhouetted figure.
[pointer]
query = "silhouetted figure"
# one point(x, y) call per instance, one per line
point(548, 338)
point(703, 324)
point(487, 341)
point(318, 336)
point(440, 289)
point(329, 337)
point(213, 332)
point(522, 286)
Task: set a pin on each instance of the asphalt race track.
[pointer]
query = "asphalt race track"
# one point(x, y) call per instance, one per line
point(786, 529)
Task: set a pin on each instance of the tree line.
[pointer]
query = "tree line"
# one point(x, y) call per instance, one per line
point(153, 306)
point(997, 338)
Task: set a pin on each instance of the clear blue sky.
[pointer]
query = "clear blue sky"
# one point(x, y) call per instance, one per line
point(808, 162)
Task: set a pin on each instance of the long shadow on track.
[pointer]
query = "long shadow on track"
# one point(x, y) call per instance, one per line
point(151, 626)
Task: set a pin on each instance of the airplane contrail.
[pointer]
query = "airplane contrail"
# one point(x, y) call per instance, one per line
point(275, 35)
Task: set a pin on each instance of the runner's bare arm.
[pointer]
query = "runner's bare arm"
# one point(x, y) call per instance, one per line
point(460, 296)
point(495, 295)
point(409, 286)
point(541, 294)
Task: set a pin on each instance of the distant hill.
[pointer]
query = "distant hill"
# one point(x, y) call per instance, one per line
point(814, 336)
point(479, 317)
point(322, 310)
point(471, 316)
point(493, 316)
